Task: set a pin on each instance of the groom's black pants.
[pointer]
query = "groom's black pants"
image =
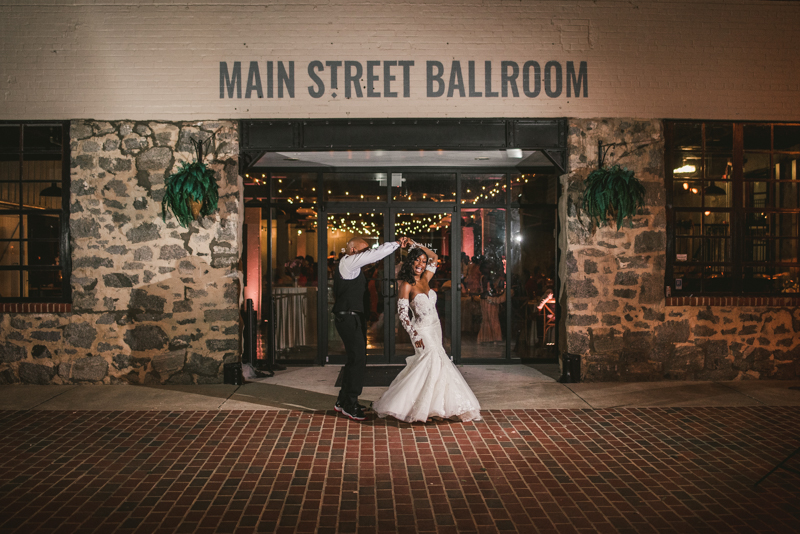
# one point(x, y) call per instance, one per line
point(352, 329)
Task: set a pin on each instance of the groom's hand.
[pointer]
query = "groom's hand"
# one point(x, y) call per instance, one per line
point(403, 241)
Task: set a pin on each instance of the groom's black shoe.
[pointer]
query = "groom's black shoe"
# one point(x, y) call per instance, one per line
point(356, 413)
point(338, 407)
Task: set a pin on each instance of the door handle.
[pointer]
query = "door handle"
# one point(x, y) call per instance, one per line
point(392, 288)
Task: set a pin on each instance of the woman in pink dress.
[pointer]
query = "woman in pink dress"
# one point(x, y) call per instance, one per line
point(490, 331)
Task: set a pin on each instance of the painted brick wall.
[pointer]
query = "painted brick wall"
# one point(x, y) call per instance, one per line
point(160, 60)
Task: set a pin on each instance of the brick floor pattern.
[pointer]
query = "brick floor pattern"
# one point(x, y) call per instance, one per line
point(565, 471)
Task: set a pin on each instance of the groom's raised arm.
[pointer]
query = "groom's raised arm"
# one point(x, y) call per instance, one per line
point(350, 266)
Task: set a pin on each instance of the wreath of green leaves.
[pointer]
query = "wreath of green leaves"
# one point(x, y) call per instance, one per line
point(612, 193)
point(192, 181)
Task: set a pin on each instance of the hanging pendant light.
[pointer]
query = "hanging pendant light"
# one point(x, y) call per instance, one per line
point(714, 190)
point(52, 191)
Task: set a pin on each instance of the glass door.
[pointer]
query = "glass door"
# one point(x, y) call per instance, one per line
point(387, 341)
point(342, 225)
point(432, 229)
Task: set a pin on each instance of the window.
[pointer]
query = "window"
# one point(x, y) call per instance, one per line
point(733, 208)
point(34, 195)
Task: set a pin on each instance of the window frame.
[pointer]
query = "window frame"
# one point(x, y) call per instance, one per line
point(738, 211)
point(65, 258)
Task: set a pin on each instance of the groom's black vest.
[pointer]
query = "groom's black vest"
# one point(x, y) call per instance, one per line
point(350, 295)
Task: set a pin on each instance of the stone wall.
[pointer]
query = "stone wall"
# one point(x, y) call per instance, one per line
point(613, 296)
point(153, 302)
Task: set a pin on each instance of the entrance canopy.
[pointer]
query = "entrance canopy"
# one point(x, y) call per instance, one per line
point(504, 143)
point(509, 159)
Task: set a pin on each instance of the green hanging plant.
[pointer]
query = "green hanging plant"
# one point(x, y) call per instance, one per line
point(190, 193)
point(612, 193)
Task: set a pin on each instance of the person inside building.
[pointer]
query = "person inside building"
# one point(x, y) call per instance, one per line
point(491, 297)
point(350, 308)
point(430, 386)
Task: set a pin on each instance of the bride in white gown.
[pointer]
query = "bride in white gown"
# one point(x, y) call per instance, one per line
point(430, 385)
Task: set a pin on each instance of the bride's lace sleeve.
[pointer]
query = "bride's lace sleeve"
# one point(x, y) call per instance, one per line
point(405, 320)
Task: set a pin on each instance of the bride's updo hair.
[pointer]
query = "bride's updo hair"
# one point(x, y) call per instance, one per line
point(406, 273)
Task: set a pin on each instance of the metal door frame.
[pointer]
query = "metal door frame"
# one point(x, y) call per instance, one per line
point(323, 208)
point(390, 296)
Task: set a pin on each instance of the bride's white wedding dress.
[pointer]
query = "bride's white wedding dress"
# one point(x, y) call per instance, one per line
point(430, 385)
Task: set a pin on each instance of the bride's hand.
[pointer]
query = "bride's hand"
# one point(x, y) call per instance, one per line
point(419, 344)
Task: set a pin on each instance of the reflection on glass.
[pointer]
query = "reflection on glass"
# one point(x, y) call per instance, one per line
point(786, 250)
point(9, 194)
point(687, 135)
point(717, 187)
point(787, 279)
point(11, 249)
point(44, 284)
point(702, 237)
point(342, 227)
point(756, 194)
point(483, 188)
point(484, 283)
point(687, 193)
point(757, 137)
point(719, 136)
point(786, 189)
point(41, 170)
point(12, 252)
point(532, 282)
point(294, 264)
point(9, 139)
point(292, 188)
point(432, 231)
point(688, 278)
point(9, 167)
point(530, 188)
point(9, 282)
point(687, 166)
point(758, 279)
point(756, 166)
point(687, 173)
point(43, 195)
point(783, 225)
point(757, 249)
point(42, 137)
point(716, 228)
point(687, 223)
point(44, 245)
point(787, 137)
point(423, 187)
point(354, 186)
point(717, 279)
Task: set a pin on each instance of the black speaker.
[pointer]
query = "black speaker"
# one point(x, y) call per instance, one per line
point(232, 374)
point(570, 368)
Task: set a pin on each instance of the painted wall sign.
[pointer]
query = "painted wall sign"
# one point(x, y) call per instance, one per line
point(394, 79)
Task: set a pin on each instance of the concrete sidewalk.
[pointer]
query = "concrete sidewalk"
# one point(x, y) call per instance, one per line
point(497, 387)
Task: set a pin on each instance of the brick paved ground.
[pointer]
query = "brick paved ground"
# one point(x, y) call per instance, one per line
point(626, 470)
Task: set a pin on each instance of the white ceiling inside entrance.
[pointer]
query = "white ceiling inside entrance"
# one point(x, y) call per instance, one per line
point(407, 158)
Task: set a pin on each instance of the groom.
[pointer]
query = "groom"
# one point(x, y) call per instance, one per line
point(351, 308)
